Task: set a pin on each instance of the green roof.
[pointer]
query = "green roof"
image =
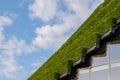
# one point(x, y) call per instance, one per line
point(99, 22)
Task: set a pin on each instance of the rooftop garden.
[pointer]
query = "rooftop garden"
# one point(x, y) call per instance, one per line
point(98, 23)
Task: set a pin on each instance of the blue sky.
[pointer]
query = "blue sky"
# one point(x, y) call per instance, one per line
point(32, 30)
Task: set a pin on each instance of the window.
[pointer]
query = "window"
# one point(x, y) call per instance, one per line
point(115, 52)
point(115, 71)
point(105, 66)
point(83, 74)
point(100, 59)
point(99, 73)
point(115, 62)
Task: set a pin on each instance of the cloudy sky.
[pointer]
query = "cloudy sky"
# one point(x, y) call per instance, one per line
point(32, 30)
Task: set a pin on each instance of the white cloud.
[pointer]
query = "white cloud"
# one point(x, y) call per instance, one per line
point(13, 47)
point(80, 7)
point(48, 37)
point(19, 46)
point(7, 61)
point(52, 36)
point(43, 9)
point(83, 8)
point(4, 21)
point(9, 49)
point(36, 64)
point(96, 3)
point(9, 64)
point(12, 16)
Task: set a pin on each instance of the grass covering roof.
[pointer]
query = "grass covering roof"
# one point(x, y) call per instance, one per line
point(99, 22)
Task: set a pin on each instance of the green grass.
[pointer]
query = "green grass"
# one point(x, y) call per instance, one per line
point(99, 22)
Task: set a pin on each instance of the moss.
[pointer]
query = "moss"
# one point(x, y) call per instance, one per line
point(88, 34)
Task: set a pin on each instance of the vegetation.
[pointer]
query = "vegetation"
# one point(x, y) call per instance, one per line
point(99, 22)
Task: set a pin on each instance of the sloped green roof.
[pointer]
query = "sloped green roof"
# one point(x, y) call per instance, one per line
point(99, 22)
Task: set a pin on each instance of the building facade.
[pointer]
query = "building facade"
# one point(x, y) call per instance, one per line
point(104, 66)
